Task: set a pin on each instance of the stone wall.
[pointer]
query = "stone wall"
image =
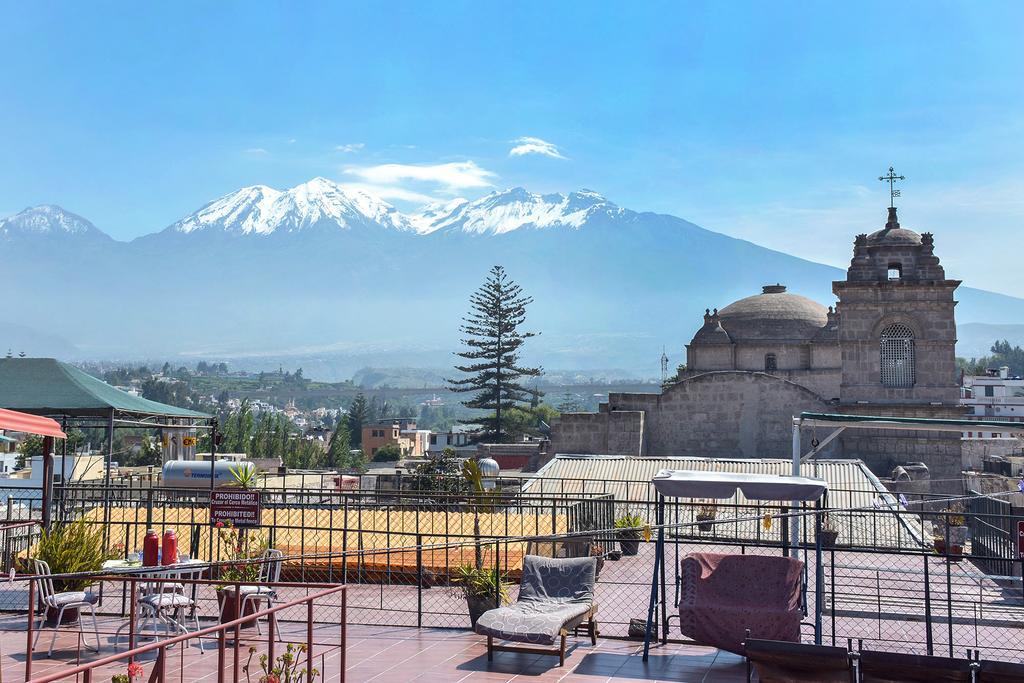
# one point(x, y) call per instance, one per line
point(726, 414)
point(883, 449)
point(976, 450)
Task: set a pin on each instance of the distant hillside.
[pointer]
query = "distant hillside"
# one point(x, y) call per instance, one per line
point(974, 340)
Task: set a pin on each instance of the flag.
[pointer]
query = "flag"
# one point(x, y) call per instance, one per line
point(903, 500)
point(1020, 485)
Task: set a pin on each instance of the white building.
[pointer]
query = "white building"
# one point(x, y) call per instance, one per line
point(994, 396)
point(453, 438)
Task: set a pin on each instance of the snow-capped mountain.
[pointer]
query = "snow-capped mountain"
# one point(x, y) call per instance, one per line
point(503, 212)
point(321, 203)
point(325, 266)
point(48, 221)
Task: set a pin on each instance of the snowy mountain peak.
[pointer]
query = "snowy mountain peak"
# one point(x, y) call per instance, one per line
point(512, 209)
point(318, 203)
point(48, 220)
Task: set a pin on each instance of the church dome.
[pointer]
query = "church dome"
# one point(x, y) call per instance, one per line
point(773, 315)
point(893, 234)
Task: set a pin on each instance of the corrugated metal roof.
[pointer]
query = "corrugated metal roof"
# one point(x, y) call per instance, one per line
point(628, 479)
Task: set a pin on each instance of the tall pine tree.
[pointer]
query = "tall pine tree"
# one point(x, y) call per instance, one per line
point(494, 341)
point(358, 415)
point(339, 448)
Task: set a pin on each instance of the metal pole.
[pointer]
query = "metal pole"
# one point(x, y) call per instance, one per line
point(659, 549)
point(309, 635)
point(106, 477)
point(819, 574)
point(47, 482)
point(794, 522)
point(419, 580)
point(31, 623)
point(344, 629)
point(927, 607)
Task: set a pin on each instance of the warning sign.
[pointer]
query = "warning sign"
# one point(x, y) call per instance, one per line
point(237, 507)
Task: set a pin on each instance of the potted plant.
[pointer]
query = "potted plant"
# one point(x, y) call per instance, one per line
point(239, 568)
point(951, 534)
point(285, 667)
point(706, 514)
point(629, 530)
point(135, 670)
point(597, 551)
point(479, 587)
point(829, 533)
point(72, 548)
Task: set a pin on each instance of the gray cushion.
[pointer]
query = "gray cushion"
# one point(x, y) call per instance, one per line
point(551, 579)
point(554, 594)
point(71, 598)
point(531, 622)
point(161, 600)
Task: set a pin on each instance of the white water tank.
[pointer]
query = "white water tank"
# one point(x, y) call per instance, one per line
point(193, 474)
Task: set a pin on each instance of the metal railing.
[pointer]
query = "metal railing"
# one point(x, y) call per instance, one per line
point(220, 631)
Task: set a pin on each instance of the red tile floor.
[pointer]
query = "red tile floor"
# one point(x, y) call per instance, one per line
point(385, 654)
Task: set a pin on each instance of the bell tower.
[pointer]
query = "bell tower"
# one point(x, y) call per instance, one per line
point(897, 339)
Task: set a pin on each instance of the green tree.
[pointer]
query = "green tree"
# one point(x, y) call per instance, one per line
point(388, 453)
point(441, 474)
point(338, 448)
point(494, 344)
point(358, 415)
point(30, 447)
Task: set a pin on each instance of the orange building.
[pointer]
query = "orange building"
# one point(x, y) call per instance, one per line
point(401, 432)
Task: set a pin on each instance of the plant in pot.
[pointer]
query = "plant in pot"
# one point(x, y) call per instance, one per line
point(480, 588)
point(240, 550)
point(72, 548)
point(706, 514)
point(630, 529)
point(597, 551)
point(951, 535)
point(829, 533)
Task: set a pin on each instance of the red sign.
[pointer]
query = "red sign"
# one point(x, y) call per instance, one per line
point(1020, 539)
point(237, 507)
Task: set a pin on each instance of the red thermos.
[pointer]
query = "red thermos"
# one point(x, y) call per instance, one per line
point(150, 548)
point(170, 548)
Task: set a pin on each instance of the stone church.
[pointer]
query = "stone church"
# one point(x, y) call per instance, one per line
point(885, 348)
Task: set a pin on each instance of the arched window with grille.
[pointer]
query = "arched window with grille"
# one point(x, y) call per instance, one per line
point(897, 346)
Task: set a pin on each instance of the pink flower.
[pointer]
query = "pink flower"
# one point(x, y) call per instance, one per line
point(135, 670)
point(219, 525)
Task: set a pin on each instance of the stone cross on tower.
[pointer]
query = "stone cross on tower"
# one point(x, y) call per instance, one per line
point(892, 178)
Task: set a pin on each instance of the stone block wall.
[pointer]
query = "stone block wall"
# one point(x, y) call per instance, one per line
point(883, 449)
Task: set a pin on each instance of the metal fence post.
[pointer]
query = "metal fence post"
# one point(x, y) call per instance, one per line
point(419, 581)
point(31, 622)
point(928, 607)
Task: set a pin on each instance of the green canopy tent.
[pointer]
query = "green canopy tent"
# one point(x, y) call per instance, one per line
point(49, 387)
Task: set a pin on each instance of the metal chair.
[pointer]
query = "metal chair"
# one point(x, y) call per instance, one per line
point(61, 602)
point(270, 572)
point(163, 603)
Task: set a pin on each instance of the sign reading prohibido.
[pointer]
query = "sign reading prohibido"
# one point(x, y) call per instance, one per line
point(237, 507)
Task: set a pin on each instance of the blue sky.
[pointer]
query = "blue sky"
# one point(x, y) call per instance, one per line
point(768, 121)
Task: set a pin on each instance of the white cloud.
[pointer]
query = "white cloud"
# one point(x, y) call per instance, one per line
point(349, 148)
point(528, 145)
point(451, 177)
point(391, 192)
point(291, 141)
point(259, 151)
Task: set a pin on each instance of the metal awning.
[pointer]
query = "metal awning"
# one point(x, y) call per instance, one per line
point(698, 484)
point(31, 424)
point(891, 422)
